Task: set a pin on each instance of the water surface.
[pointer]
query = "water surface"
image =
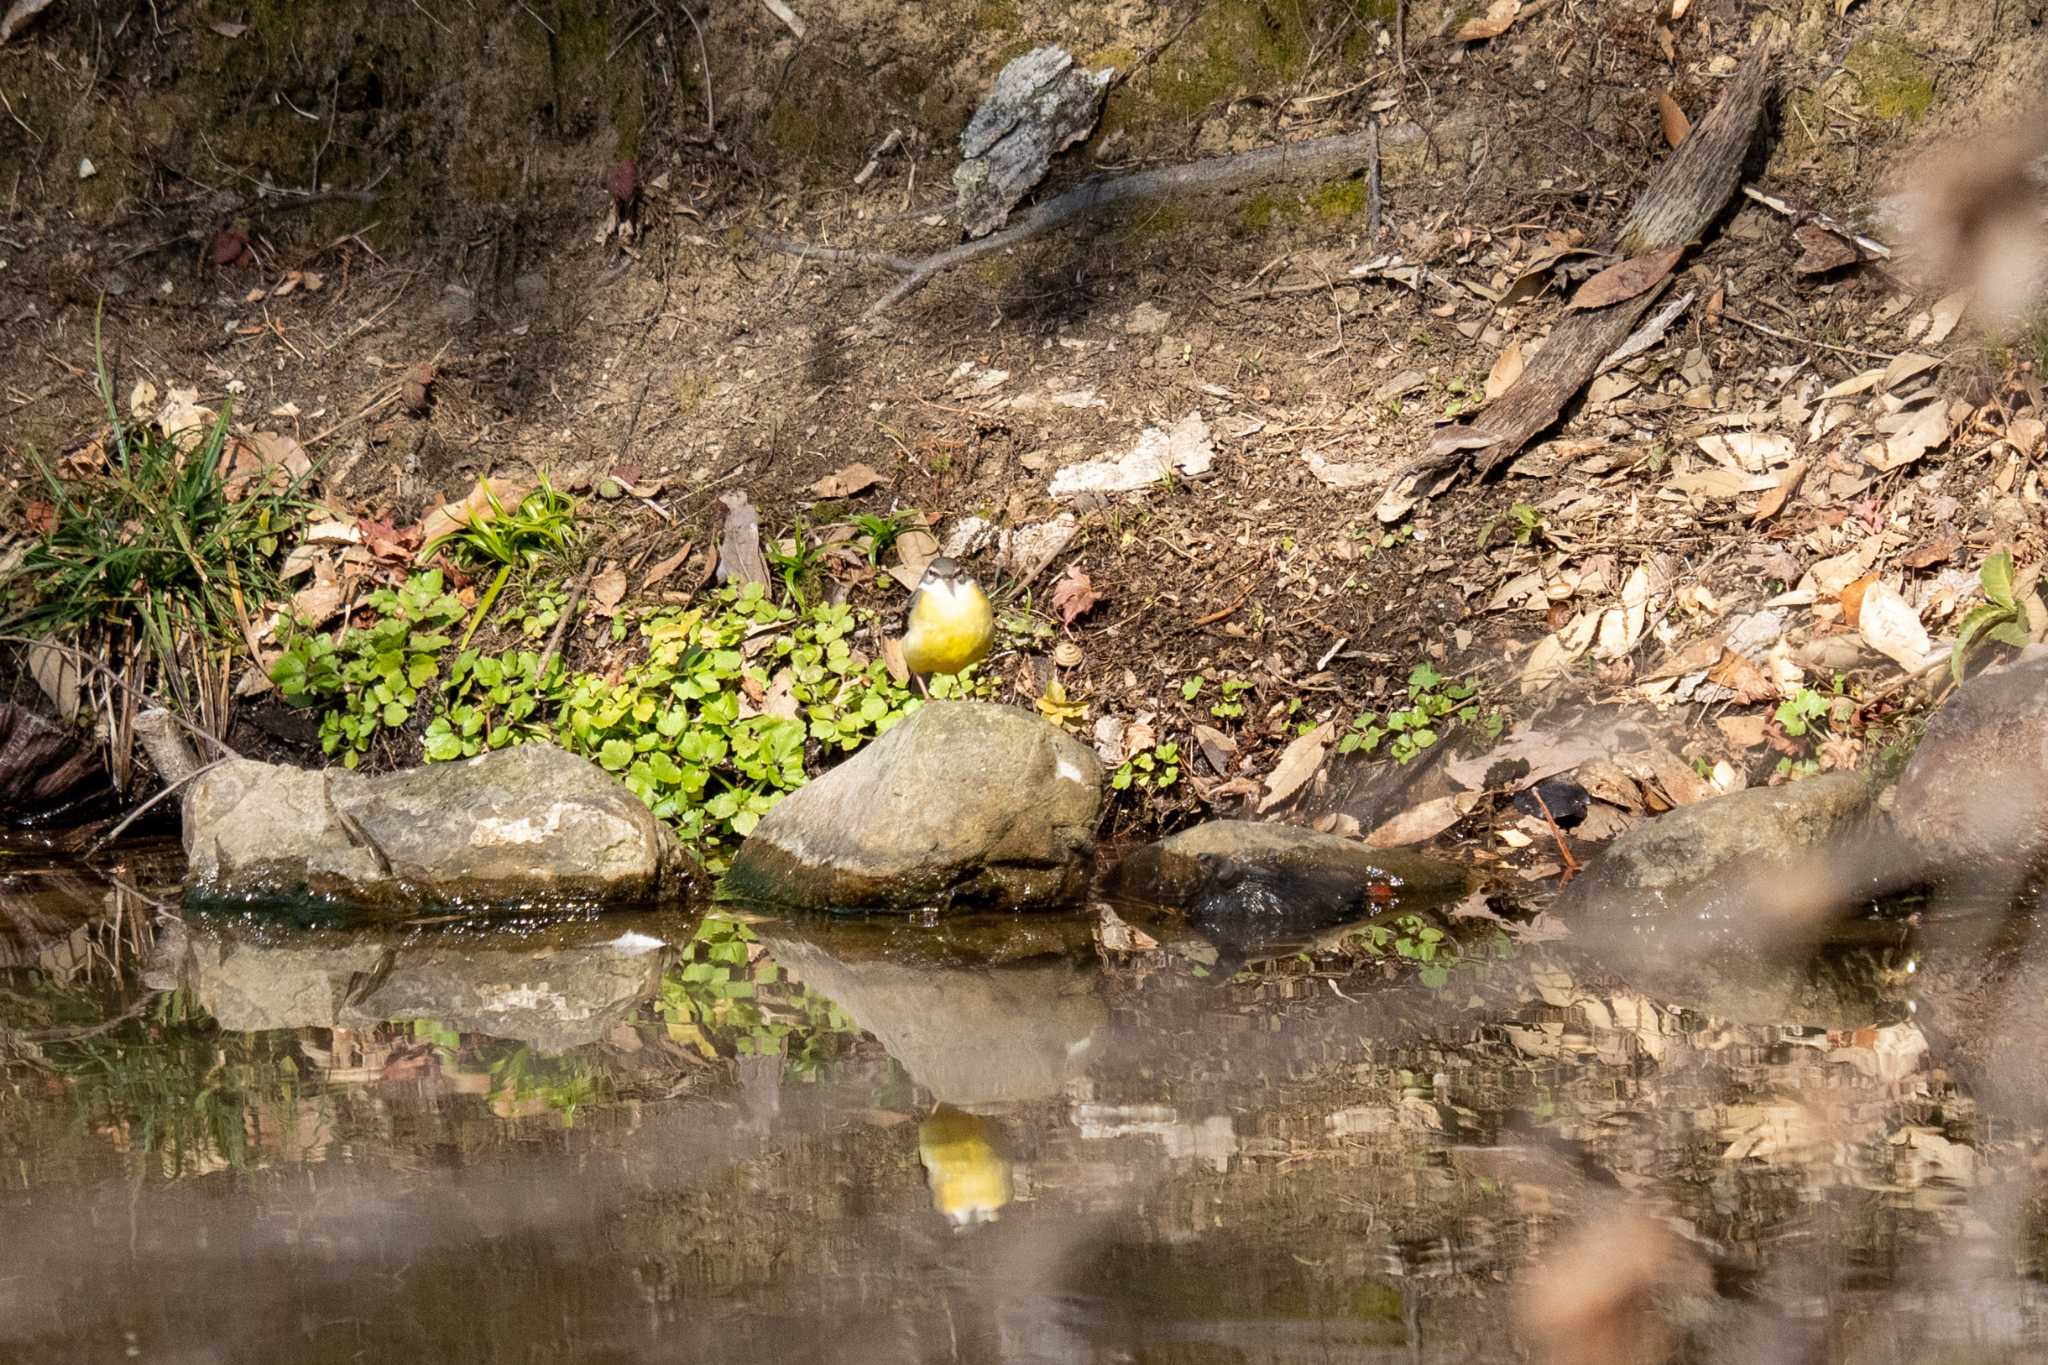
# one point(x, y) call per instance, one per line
point(660, 1137)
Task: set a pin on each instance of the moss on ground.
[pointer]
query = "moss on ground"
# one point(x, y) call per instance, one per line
point(1896, 82)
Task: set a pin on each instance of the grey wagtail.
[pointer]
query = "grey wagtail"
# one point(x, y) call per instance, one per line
point(951, 625)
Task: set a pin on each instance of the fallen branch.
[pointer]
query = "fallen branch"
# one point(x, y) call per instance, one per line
point(1869, 245)
point(1212, 173)
point(1682, 199)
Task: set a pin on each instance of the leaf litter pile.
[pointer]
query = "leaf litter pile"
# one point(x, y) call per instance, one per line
point(1224, 480)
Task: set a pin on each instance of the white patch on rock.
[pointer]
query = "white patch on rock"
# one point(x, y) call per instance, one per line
point(1069, 772)
point(525, 830)
point(635, 942)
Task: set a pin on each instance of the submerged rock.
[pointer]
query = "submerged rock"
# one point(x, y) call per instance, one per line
point(555, 988)
point(1248, 886)
point(523, 825)
point(1721, 904)
point(1975, 795)
point(962, 804)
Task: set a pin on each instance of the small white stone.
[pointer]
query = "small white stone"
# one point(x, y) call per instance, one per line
point(86, 170)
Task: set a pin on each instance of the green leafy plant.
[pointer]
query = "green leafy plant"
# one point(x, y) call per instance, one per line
point(1191, 686)
point(2002, 618)
point(1153, 769)
point(492, 702)
point(1232, 705)
point(882, 533)
point(1376, 538)
point(563, 1083)
point(798, 561)
point(1434, 704)
point(723, 995)
point(1461, 396)
point(515, 541)
point(673, 726)
point(371, 679)
point(1802, 713)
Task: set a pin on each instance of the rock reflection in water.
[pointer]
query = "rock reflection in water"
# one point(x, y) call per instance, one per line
point(556, 986)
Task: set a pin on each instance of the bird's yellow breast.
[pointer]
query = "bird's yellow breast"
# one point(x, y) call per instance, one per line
point(950, 629)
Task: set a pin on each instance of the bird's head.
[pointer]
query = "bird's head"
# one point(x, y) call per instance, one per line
point(946, 576)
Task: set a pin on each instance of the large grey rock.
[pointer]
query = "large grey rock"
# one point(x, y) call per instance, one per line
point(1975, 795)
point(963, 804)
point(975, 1013)
point(555, 989)
point(520, 825)
point(1720, 904)
point(1038, 105)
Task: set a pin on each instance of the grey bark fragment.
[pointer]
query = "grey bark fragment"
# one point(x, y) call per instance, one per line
point(1038, 106)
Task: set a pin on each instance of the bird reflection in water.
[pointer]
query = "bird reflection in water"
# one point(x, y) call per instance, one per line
point(968, 1173)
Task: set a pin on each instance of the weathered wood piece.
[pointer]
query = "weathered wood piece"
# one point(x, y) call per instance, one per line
point(1038, 107)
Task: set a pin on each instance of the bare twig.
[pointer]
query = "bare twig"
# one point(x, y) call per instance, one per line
point(81, 657)
point(854, 255)
point(67, 1035)
point(569, 610)
point(704, 61)
point(1213, 173)
point(1804, 215)
point(169, 788)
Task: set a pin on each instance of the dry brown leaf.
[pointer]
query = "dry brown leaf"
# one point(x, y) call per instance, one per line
point(451, 517)
point(18, 14)
point(1744, 732)
point(1671, 119)
point(1506, 370)
point(1851, 598)
point(1905, 367)
point(1927, 554)
point(914, 550)
point(666, 567)
point(1721, 483)
point(1298, 763)
point(1555, 653)
point(607, 590)
point(1889, 625)
point(1948, 311)
point(1073, 594)
point(844, 483)
point(1619, 283)
point(228, 30)
point(1500, 16)
point(1736, 673)
point(1774, 499)
point(1822, 250)
point(1925, 429)
point(1423, 822)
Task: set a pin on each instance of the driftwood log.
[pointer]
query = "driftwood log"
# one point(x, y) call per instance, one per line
point(1681, 201)
point(1319, 156)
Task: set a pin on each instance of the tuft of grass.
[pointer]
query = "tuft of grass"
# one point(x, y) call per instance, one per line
point(541, 528)
point(149, 557)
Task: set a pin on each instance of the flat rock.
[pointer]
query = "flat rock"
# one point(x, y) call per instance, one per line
point(1975, 794)
point(962, 804)
point(528, 824)
point(1720, 904)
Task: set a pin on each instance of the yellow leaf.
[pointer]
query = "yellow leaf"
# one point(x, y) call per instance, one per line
point(1055, 706)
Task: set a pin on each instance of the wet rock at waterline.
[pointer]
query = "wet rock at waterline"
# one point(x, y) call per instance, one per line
point(1720, 904)
point(1250, 887)
point(523, 825)
point(975, 1013)
point(962, 804)
point(554, 988)
point(1974, 798)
